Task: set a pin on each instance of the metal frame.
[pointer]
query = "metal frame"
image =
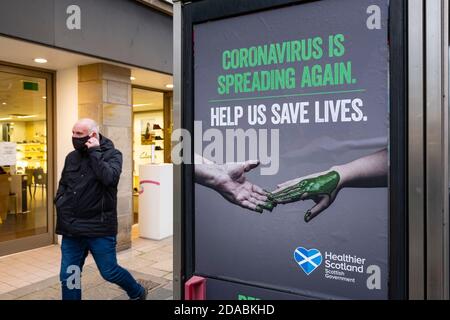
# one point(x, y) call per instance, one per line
point(200, 11)
point(398, 243)
point(436, 143)
point(178, 234)
point(416, 151)
point(32, 242)
point(428, 150)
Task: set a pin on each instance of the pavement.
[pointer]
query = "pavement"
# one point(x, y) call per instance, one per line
point(34, 274)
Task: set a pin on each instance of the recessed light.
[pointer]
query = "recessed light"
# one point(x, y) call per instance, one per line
point(44, 97)
point(27, 117)
point(142, 104)
point(132, 78)
point(40, 60)
point(4, 103)
point(170, 86)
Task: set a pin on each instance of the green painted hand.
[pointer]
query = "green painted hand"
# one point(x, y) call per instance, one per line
point(321, 188)
point(268, 205)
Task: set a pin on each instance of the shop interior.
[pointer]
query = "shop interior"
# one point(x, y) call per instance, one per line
point(151, 116)
point(23, 156)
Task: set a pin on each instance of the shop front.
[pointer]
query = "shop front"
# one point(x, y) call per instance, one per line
point(59, 64)
point(26, 121)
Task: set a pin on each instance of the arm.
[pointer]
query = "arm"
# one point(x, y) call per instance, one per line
point(108, 172)
point(61, 185)
point(366, 172)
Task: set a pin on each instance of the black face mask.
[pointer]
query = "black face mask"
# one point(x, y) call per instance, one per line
point(80, 143)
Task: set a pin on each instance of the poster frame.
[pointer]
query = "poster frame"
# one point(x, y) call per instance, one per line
point(196, 12)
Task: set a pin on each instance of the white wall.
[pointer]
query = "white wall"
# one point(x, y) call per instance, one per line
point(66, 115)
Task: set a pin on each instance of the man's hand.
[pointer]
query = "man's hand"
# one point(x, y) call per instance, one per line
point(322, 188)
point(230, 181)
point(92, 142)
point(234, 186)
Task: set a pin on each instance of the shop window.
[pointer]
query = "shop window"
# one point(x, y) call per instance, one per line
point(149, 134)
point(23, 156)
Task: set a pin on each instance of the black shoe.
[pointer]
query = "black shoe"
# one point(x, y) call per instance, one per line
point(158, 148)
point(158, 138)
point(143, 296)
point(156, 127)
point(146, 285)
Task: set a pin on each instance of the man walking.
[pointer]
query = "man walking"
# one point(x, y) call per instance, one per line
point(86, 203)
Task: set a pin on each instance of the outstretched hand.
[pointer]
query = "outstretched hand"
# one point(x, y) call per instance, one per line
point(230, 181)
point(322, 188)
point(233, 185)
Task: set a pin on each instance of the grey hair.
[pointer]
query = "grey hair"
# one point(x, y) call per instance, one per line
point(91, 124)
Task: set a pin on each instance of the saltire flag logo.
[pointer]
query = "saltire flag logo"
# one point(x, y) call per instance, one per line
point(308, 260)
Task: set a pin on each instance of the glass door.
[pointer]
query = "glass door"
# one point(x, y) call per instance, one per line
point(26, 167)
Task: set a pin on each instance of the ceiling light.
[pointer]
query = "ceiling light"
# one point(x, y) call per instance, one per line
point(4, 119)
point(44, 97)
point(132, 78)
point(170, 86)
point(27, 117)
point(40, 60)
point(142, 104)
point(4, 103)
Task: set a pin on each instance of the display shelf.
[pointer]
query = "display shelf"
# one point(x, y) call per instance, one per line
point(31, 154)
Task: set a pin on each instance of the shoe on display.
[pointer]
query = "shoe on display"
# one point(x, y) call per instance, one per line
point(156, 127)
point(158, 138)
point(158, 148)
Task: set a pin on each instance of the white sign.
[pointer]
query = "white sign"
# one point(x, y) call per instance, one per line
point(8, 154)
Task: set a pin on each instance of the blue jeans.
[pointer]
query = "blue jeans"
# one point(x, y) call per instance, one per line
point(74, 251)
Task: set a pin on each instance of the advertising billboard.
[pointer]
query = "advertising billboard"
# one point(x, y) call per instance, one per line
point(291, 122)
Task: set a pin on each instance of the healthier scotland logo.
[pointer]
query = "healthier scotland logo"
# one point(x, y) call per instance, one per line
point(308, 260)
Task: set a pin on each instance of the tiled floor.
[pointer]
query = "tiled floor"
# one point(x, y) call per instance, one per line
point(35, 274)
point(15, 226)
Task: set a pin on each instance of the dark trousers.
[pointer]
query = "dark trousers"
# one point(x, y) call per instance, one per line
point(74, 251)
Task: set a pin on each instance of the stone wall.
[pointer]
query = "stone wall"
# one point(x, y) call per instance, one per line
point(104, 94)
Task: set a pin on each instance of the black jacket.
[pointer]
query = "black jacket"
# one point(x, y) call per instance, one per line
point(86, 200)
